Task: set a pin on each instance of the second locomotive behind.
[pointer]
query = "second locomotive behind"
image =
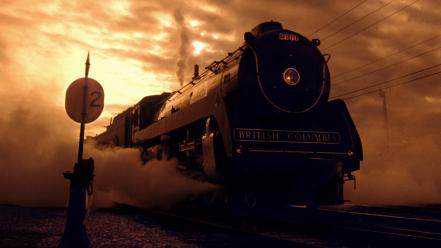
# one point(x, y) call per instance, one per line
point(258, 120)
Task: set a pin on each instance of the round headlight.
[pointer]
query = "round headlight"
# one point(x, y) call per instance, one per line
point(291, 76)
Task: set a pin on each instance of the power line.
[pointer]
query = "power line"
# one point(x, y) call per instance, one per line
point(388, 66)
point(382, 58)
point(394, 85)
point(387, 81)
point(338, 17)
point(356, 21)
point(369, 26)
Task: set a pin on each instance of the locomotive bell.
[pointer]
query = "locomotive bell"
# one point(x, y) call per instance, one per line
point(266, 27)
point(260, 30)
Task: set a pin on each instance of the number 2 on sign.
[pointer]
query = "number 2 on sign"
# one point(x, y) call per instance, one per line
point(96, 97)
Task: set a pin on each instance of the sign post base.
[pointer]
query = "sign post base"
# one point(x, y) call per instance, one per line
point(75, 234)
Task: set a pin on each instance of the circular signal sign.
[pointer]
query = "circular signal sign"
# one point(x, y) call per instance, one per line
point(84, 100)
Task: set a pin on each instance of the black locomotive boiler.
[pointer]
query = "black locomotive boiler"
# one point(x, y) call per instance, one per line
point(258, 121)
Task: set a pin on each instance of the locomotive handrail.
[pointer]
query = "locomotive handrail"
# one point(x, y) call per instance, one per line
point(225, 61)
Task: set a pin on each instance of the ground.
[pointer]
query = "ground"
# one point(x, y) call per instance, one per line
point(43, 227)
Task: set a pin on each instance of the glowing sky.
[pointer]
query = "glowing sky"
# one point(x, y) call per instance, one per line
point(136, 45)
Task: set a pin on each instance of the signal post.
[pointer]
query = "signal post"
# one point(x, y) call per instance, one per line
point(84, 104)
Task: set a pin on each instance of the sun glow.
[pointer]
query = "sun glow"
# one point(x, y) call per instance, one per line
point(194, 23)
point(120, 7)
point(198, 47)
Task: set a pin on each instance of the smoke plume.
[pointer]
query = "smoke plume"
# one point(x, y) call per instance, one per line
point(184, 45)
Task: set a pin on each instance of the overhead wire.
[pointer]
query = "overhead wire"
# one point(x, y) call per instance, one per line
point(387, 81)
point(387, 66)
point(370, 25)
point(387, 56)
point(384, 84)
point(394, 85)
point(356, 21)
point(338, 17)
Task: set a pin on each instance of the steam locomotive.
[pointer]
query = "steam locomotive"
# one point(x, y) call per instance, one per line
point(258, 120)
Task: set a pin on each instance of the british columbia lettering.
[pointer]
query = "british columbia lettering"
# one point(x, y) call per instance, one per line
point(265, 135)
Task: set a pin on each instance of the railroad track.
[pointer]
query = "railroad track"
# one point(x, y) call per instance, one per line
point(385, 226)
point(294, 226)
point(247, 231)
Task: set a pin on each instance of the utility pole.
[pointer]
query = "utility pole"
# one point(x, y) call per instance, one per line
point(382, 94)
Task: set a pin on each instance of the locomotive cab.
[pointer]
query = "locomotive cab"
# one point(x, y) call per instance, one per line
point(145, 111)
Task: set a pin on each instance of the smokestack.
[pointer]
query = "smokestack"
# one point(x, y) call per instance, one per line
point(196, 71)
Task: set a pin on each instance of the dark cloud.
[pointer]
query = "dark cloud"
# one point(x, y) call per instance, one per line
point(8, 20)
point(4, 59)
point(152, 62)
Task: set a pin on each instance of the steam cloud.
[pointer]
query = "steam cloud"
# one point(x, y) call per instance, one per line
point(35, 148)
point(38, 142)
point(123, 178)
point(183, 46)
point(404, 166)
